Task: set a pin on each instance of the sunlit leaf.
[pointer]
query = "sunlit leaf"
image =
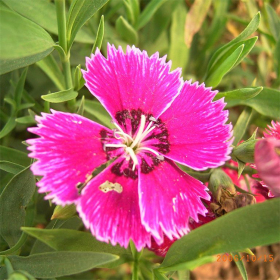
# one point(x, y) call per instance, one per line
point(246, 227)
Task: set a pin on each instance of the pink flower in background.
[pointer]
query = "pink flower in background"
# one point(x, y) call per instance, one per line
point(158, 119)
point(267, 159)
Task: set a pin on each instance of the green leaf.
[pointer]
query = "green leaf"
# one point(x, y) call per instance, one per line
point(266, 103)
point(79, 13)
point(72, 223)
point(241, 267)
point(178, 51)
point(239, 94)
point(246, 227)
point(20, 87)
point(248, 45)
point(57, 264)
point(273, 21)
point(64, 212)
point(159, 275)
point(80, 110)
point(44, 14)
point(195, 18)
point(191, 265)
point(14, 156)
point(78, 78)
point(72, 240)
point(148, 12)
point(50, 67)
point(60, 96)
point(26, 120)
point(126, 31)
point(97, 110)
point(10, 167)
point(8, 127)
point(250, 29)
point(241, 125)
point(99, 36)
point(13, 201)
point(28, 41)
point(215, 78)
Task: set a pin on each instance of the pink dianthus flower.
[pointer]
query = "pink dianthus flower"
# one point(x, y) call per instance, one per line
point(159, 119)
point(267, 159)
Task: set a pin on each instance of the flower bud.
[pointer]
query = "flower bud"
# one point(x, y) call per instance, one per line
point(220, 183)
point(65, 212)
point(245, 151)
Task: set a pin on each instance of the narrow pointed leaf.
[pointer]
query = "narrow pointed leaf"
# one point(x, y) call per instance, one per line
point(72, 240)
point(215, 78)
point(246, 227)
point(195, 18)
point(265, 103)
point(99, 35)
point(60, 96)
point(20, 87)
point(50, 67)
point(241, 125)
point(14, 156)
point(11, 167)
point(250, 29)
point(239, 94)
point(79, 13)
point(57, 264)
point(148, 12)
point(8, 127)
point(241, 267)
point(126, 31)
point(178, 51)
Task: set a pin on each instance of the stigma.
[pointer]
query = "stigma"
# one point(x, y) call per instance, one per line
point(135, 144)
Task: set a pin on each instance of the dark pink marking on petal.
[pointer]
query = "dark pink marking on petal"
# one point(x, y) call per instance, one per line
point(267, 160)
point(132, 80)
point(198, 135)
point(113, 216)
point(168, 198)
point(68, 150)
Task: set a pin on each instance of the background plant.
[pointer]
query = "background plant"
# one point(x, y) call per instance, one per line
point(227, 44)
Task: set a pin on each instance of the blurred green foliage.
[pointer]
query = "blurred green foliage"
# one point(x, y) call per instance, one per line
point(232, 46)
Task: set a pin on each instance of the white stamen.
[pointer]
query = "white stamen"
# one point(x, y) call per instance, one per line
point(148, 149)
point(125, 138)
point(145, 133)
point(132, 156)
point(115, 145)
point(140, 131)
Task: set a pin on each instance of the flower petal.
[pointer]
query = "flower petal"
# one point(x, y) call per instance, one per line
point(68, 150)
point(132, 81)
point(168, 198)
point(267, 161)
point(198, 135)
point(113, 216)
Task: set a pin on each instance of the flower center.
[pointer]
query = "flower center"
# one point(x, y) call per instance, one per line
point(133, 144)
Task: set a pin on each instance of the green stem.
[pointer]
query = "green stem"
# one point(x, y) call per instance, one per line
point(62, 39)
point(61, 23)
point(136, 256)
point(247, 170)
